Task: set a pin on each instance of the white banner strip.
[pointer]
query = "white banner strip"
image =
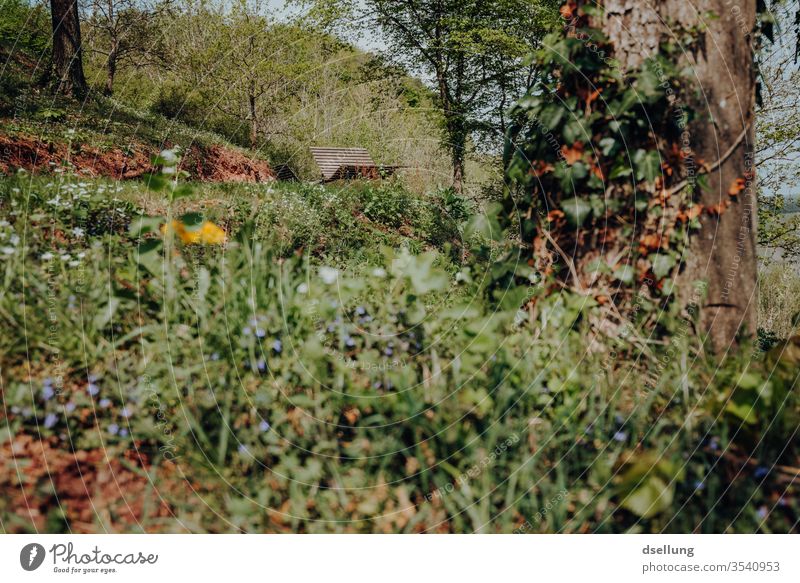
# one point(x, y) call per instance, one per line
point(401, 558)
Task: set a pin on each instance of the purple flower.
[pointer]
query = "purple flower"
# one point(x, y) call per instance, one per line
point(260, 332)
point(70, 407)
point(388, 352)
point(360, 310)
point(620, 436)
point(243, 449)
point(50, 420)
point(762, 512)
point(261, 364)
point(125, 412)
point(215, 356)
point(246, 330)
point(93, 389)
point(123, 432)
point(761, 472)
point(277, 346)
point(105, 403)
point(349, 342)
point(113, 429)
point(93, 378)
point(48, 392)
point(699, 485)
point(263, 426)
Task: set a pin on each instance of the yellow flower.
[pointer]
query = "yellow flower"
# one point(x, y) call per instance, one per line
point(207, 234)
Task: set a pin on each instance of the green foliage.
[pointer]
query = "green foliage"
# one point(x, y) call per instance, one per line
point(365, 386)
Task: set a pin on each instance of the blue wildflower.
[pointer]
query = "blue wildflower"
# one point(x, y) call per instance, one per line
point(215, 356)
point(377, 385)
point(261, 364)
point(50, 420)
point(762, 512)
point(123, 432)
point(388, 351)
point(263, 426)
point(93, 389)
point(360, 310)
point(113, 429)
point(620, 436)
point(243, 449)
point(70, 407)
point(48, 392)
point(699, 485)
point(761, 472)
point(93, 378)
point(277, 346)
point(260, 332)
point(246, 330)
point(105, 403)
point(349, 342)
point(125, 412)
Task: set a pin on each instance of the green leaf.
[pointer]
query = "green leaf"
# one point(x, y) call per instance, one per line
point(192, 221)
point(576, 210)
point(625, 274)
point(182, 190)
point(648, 165)
point(143, 225)
point(154, 182)
point(662, 264)
point(607, 145)
point(653, 497)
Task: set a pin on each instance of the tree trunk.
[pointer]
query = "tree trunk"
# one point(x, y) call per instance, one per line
point(722, 254)
point(253, 122)
point(67, 58)
point(458, 168)
point(111, 71)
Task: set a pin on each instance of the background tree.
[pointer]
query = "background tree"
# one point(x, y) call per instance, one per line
point(67, 49)
point(124, 31)
point(470, 51)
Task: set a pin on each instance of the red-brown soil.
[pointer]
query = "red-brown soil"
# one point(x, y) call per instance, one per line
point(94, 489)
point(205, 163)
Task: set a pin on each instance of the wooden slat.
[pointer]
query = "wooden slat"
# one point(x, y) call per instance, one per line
point(330, 160)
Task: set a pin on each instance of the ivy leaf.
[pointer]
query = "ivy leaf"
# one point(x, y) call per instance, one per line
point(607, 145)
point(576, 210)
point(662, 264)
point(648, 165)
point(625, 274)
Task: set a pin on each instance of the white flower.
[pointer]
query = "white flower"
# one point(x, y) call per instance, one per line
point(78, 232)
point(302, 288)
point(169, 157)
point(168, 170)
point(379, 272)
point(328, 274)
point(46, 256)
point(14, 240)
point(8, 250)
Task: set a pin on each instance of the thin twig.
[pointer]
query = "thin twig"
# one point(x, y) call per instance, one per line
point(566, 259)
point(709, 169)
